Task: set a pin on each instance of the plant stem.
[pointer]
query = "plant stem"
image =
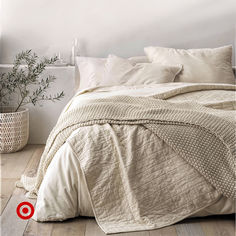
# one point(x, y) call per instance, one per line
point(19, 104)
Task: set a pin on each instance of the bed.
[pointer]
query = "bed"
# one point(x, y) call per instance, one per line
point(140, 156)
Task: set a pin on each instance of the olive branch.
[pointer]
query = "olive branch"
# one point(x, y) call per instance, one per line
point(25, 82)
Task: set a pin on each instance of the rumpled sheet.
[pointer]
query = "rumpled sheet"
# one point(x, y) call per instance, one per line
point(60, 193)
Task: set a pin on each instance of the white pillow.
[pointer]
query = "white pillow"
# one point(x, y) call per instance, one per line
point(199, 65)
point(139, 59)
point(89, 71)
point(120, 71)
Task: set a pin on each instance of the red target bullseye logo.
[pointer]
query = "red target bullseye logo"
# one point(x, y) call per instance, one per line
point(25, 210)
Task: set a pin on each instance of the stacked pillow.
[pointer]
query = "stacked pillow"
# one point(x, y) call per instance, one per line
point(162, 65)
point(95, 72)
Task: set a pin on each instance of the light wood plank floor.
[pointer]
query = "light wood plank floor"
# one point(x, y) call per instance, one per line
point(26, 161)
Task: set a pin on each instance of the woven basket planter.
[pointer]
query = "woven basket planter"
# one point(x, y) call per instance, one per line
point(14, 129)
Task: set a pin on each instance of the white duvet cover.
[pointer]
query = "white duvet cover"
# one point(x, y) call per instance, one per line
point(63, 193)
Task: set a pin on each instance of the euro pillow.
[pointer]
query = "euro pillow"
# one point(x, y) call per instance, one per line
point(89, 71)
point(121, 71)
point(199, 65)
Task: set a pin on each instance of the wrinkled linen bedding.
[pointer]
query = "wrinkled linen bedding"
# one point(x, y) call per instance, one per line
point(169, 189)
point(77, 202)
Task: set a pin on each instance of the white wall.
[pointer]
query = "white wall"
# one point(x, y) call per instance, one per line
point(114, 26)
point(122, 27)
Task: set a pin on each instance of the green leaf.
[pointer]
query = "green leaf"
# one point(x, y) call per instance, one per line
point(19, 80)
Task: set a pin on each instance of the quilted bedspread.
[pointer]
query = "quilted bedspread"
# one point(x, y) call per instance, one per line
point(191, 163)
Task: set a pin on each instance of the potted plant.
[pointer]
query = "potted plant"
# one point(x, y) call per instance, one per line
point(23, 85)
